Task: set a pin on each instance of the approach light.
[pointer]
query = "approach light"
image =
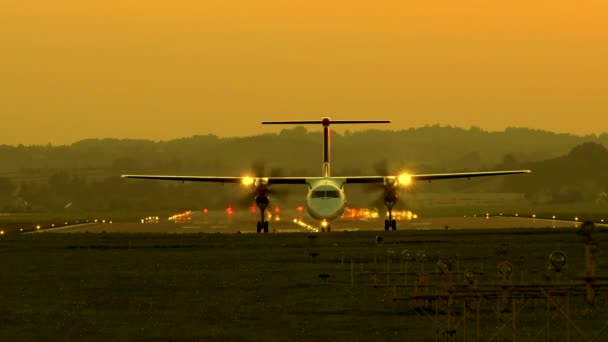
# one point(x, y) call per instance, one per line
point(443, 266)
point(554, 217)
point(505, 269)
point(324, 224)
point(247, 180)
point(38, 227)
point(420, 256)
point(470, 276)
point(557, 260)
point(405, 179)
point(534, 216)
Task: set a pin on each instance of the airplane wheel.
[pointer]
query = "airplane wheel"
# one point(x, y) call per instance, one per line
point(394, 225)
point(386, 224)
point(259, 227)
point(266, 227)
point(329, 228)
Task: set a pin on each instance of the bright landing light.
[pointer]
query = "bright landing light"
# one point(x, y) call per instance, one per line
point(247, 180)
point(405, 179)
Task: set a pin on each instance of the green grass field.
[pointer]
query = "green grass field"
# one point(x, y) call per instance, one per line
point(248, 287)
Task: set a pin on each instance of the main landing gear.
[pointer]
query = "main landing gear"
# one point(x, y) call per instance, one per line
point(390, 223)
point(262, 202)
point(263, 226)
point(325, 228)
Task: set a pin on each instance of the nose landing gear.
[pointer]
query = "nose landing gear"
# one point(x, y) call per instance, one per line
point(390, 223)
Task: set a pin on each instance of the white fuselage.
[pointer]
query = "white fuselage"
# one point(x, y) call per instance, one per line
point(326, 199)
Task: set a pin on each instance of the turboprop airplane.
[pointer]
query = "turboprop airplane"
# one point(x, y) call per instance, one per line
point(326, 199)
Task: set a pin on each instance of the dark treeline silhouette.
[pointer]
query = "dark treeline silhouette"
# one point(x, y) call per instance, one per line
point(84, 176)
point(580, 175)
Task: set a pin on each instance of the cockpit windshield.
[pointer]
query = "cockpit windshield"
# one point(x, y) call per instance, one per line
point(332, 194)
point(325, 194)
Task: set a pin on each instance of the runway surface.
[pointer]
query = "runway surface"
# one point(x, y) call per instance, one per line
point(248, 226)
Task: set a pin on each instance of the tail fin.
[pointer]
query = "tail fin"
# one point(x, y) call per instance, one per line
point(326, 133)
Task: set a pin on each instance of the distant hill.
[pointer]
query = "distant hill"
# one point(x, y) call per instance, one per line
point(296, 150)
point(566, 167)
point(581, 174)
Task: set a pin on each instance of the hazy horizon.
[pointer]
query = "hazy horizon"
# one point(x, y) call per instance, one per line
point(310, 129)
point(73, 70)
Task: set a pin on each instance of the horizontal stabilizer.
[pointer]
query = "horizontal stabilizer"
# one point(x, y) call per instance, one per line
point(325, 122)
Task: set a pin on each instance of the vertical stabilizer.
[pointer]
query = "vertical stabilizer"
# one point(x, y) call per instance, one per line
point(326, 143)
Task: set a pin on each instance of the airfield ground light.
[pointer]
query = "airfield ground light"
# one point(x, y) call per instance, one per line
point(501, 251)
point(420, 256)
point(443, 266)
point(390, 254)
point(521, 262)
point(470, 276)
point(422, 276)
point(406, 257)
point(504, 271)
point(591, 285)
point(324, 277)
point(557, 261)
point(313, 256)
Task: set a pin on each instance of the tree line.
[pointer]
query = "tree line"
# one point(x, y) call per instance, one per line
point(85, 175)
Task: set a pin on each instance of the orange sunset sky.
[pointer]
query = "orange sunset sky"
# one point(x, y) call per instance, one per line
point(77, 69)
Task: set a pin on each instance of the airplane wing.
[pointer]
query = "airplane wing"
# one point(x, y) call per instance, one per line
point(304, 180)
point(189, 178)
point(435, 176)
point(213, 179)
